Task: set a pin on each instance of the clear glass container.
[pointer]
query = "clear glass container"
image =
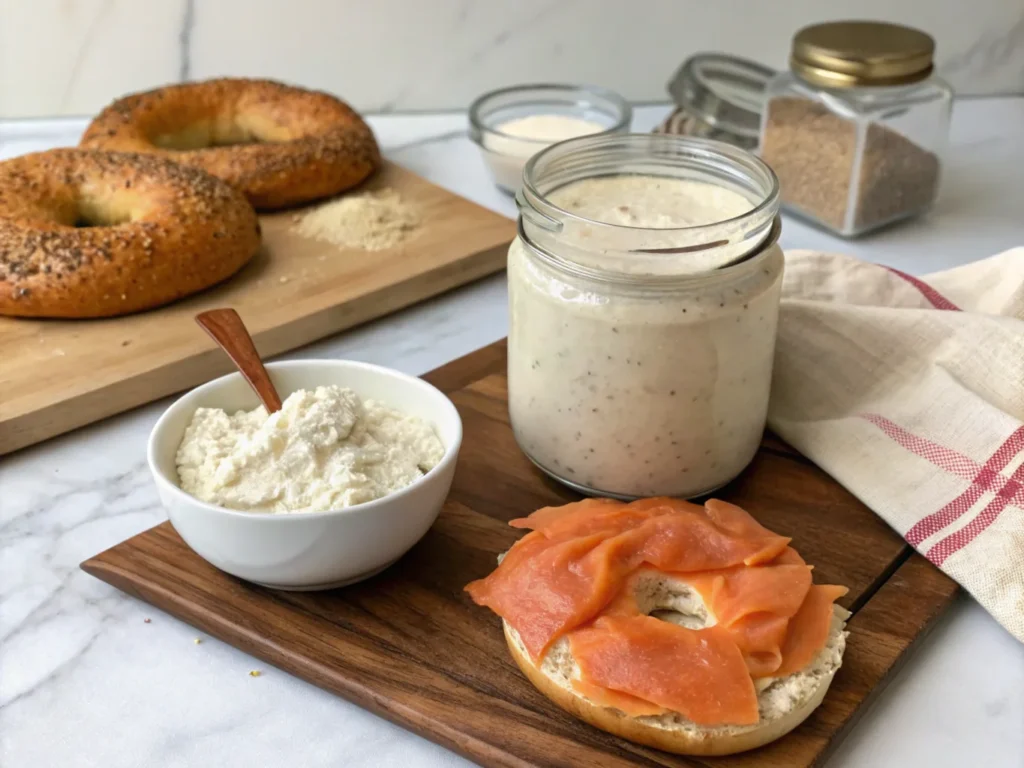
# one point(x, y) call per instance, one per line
point(641, 347)
point(719, 97)
point(855, 148)
point(505, 153)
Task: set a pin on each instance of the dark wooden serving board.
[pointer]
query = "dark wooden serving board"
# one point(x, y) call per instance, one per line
point(410, 646)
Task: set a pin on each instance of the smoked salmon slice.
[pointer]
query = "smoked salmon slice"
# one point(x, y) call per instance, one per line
point(557, 587)
point(734, 519)
point(698, 673)
point(755, 605)
point(547, 518)
point(573, 563)
point(573, 576)
point(606, 697)
point(733, 594)
point(789, 556)
point(809, 628)
point(686, 542)
point(760, 636)
point(739, 522)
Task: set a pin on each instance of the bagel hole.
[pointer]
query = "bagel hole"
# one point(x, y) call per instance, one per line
point(90, 214)
point(206, 136)
point(183, 142)
point(667, 599)
point(681, 619)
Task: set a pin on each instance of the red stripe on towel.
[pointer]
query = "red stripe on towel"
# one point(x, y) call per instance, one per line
point(935, 298)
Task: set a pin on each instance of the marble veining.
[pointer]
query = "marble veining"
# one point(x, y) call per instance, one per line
point(86, 680)
point(492, 45)
point(83, 50)
point(188, 22)
point(993, 49)
point(402, 55)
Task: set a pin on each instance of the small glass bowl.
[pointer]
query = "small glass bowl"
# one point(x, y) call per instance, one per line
point(504, 154)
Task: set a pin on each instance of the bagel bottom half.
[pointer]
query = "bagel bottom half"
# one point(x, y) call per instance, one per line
point(784, 703)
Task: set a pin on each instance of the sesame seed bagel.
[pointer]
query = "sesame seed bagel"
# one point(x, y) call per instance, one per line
point(280, 145)
point(93, 234)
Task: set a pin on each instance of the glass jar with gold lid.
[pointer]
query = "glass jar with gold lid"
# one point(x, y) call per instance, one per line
point(856, 129)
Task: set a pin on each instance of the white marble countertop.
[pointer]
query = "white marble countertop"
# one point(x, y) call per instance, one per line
point(85, 680)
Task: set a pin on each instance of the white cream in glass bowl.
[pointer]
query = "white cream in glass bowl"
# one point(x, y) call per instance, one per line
point(510, 125)
point(644, 292)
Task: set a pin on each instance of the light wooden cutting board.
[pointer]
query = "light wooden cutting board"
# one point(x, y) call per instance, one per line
point(56, 376)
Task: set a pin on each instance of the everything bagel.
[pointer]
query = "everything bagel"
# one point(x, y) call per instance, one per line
point(280, 145)
point(94, 234)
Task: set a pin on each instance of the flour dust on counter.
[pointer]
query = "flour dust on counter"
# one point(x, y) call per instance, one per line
point(369, 221)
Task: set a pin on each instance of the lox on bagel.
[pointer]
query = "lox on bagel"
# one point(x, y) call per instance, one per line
point(690, 629)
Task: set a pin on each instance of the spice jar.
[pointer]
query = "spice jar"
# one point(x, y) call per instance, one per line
point(643, 295)
point(855, 131)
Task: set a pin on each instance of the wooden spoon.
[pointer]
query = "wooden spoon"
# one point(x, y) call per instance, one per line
point(227, 329)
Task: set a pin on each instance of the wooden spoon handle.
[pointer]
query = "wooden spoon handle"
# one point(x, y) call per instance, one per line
point(227, 329)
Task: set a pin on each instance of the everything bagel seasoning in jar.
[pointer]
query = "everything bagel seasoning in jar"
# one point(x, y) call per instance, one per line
point(857, 128)
point(643, 295)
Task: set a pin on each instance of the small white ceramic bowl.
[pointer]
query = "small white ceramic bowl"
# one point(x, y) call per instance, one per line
point(309, 550)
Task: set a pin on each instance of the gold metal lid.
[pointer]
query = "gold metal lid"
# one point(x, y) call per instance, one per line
point(843, 54)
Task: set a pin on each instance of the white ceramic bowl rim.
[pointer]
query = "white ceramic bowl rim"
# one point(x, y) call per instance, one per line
point(450, 451)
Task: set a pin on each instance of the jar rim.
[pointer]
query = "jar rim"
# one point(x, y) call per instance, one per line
point(666, 282)
point(530, 200)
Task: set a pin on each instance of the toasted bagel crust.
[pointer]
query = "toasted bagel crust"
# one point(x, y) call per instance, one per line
point(280, 145)
point(93, 234)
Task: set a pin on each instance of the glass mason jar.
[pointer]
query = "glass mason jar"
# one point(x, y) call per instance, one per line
point(856, 130)
point(719, 96)
point(641, 342)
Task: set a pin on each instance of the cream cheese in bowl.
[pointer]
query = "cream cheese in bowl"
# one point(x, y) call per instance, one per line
point(326, 448)
point(332, 489)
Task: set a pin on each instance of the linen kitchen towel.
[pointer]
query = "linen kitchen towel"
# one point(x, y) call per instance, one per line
point(910, 392)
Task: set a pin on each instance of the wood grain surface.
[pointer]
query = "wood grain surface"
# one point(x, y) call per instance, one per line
point(410, 646)
point(56, 375)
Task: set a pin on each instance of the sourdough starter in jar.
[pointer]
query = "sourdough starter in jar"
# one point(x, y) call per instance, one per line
point(658, 388)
